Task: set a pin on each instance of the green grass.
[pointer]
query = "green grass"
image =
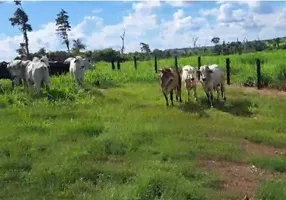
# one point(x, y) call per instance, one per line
point(243, 67)
point(120, 141)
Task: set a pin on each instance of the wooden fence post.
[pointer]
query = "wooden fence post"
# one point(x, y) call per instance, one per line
point(135, 62)
point(258, 70)
point(199, 66)
point(227, 62)
point(176, 62)
point(156, 69)
point(118, 64)
point(113, 65)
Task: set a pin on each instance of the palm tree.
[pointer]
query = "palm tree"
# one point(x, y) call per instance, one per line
point(78, 45)
point(145, 48)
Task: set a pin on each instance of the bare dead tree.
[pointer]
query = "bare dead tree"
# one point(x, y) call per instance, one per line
point(122, 38)
point(194, 40)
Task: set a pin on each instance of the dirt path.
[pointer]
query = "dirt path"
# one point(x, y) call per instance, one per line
point(239, 178)
point(264, 91)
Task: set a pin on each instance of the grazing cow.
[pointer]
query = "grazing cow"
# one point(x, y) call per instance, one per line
point(78, 65)
point(87, 62)
point(212, 77)
point(37, 72)
point(170, 80)
point(4, 72)
point(189, 80)
point(58, 68)
point(17, 70)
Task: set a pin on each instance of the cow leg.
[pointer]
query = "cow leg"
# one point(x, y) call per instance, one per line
point(47, 84)
point(223, 92)
point(176, 92)
point(166, 99)
point(171, 97)
point(180, 93)
point(211, 98)
point(37, 87)
point(47, 81)
point(13, 84)
point(195, 93)
point(217, 90)
point(188, 91)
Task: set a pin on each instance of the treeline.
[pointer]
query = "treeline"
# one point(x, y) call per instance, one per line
point(110, 54)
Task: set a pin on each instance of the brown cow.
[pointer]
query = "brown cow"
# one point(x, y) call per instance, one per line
point(170, 80)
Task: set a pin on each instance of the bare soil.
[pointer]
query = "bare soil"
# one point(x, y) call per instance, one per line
point(263, 91)
point(262, 149)
point(239, 179)
point(252, 148)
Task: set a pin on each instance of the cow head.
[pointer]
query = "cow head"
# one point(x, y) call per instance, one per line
point(166, 77)
point(45, 60)
point(79, 61)
point(87, 63)
point(191, 74)
point(204, 72)
point(14, 68)
point(191, 77)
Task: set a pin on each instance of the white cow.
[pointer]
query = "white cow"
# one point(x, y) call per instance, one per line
point(87, 62)
point(189, 80)
point(37, 72)
point(17, 70)
point(78, 65)
point(212, 77)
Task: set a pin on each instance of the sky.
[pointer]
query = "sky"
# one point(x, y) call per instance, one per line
point(161, 24)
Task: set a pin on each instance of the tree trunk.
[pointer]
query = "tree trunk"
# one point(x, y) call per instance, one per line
point(26, 42)
point(68, 45)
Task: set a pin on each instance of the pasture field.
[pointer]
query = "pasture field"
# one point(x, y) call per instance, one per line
point(119, 140)
point(243, 67)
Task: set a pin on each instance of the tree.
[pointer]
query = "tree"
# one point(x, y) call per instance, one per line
point(78, 45)
point(42, 51)
point(21, 51)
point(122, 38)
point(195, 39)
point(21, 19)
point(277, 42)
point(215, 40)
point(63, 26)
point(145, 48)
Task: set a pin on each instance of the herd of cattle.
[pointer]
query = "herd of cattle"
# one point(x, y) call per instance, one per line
point(211, 77)
point(38, 70)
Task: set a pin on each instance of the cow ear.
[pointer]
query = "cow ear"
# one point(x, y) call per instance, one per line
point(168, 70)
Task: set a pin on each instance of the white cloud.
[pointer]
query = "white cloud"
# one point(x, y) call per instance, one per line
point(209, 13)
point(228, 20)
point(98, 10)
point(280, 21)
point(179, 3)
